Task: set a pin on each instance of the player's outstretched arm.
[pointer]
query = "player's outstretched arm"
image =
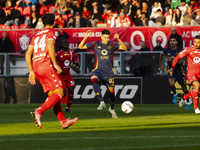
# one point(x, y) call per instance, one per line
point(51, 50)
point(122, 45)
point(28, 55)
point(82, 44)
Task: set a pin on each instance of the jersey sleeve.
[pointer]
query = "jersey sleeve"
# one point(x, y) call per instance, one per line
point(52, 35)
point(91, 45)
point(115, 46)
point(179, 56)
point(75, 58)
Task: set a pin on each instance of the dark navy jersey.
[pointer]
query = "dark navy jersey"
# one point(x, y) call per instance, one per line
point(103, 56)
point(172, 54)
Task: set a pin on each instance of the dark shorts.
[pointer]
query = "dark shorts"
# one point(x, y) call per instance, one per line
point(179, 76)
point(109, 80)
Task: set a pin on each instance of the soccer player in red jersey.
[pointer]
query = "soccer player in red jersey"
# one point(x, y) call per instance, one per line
point(64, 59)
point(193, 71)
point(42, 47)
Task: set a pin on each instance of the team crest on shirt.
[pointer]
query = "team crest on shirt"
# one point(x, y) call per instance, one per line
point(109, 47)
point(66, 63)
point(24, 42)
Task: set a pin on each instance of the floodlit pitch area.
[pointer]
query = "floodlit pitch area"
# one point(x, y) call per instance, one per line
point(156, 127)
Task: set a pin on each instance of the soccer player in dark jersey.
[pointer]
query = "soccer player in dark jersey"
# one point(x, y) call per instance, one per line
point(178, 74)
point(103, 68)
point(42, 47)
point(65, 57)
point(193, 71)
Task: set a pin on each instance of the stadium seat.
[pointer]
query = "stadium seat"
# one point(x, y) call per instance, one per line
point(20, 9)
point(6, 27)
point(27, 11)
point(43, 10)
point(14, 26)
point(51, 8)
point(23, 26)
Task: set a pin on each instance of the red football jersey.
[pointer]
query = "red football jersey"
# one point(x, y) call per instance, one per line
point(64, 60)
point(125, 21)
point(39, 42)
point(193, 59)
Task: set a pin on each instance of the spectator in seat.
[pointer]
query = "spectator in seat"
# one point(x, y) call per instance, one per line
point(60, 7)
point(59, 22)
point(2, 16)
point(12, 17)
point(159, 21)
point(86, 13)
point(146, 9)
point(110, 18)
point(177, 21)
point(154, 13)
point(87, 3)
point(135, 6)
point(194, 4)
point(195, 17)
point(177, 37)
point(167, 5)
point(187, 16)
point(69, 7)
point(183, 7)
point(169, 18)
point(33, 21)
point(108, 5)
point(123, 20)
point(79, 21)
point(39, 24)
point(137, 18)
point(95, 15)
point(70, 23)
point(144, 20)
point(126, 7)
point(77, 7)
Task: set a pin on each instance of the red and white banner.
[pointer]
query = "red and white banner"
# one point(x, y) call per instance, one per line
point(21, 38)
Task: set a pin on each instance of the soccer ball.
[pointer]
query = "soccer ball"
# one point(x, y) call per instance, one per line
point(127, 107)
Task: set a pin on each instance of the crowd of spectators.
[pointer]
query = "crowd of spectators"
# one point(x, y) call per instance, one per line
point(91, 13)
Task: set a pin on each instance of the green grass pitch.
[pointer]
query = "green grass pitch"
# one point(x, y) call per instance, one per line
point(154, 127)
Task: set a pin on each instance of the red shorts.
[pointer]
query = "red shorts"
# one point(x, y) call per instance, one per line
point(67, 81)
point(193, 76)
point(48, 78)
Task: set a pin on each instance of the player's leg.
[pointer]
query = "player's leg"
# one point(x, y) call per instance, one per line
point(173, 89)
point(112, 102)
point(70, 87)
point(95, 79)
point(70, 99)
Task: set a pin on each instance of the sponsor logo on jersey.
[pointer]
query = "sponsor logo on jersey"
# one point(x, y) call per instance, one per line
point(196, 60)
point(104, 52)
point(24, 42)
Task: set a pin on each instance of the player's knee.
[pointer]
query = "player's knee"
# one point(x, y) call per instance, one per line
point(94, 80)
point(195, 85)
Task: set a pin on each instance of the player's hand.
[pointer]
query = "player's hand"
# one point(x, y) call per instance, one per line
point(88, 33)
point(162, 68)
point(116, 36)
point(32, 78)
point(170, 71)
point(58, 69)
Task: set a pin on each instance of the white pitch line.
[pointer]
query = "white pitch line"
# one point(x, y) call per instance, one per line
point(97, 138)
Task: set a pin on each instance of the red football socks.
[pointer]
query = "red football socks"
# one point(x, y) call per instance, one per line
point(58, 111)
point(50, 102)
point(70, 100)
point(195, 96)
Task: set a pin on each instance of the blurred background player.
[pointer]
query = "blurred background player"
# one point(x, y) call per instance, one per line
point(42, 47)
point(193, 71)
point(178, 74)
point(103, 68)
point(64, 59)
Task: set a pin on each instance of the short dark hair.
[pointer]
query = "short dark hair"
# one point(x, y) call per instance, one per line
point(197, 37)
point(105, 32)
point(48, 19)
